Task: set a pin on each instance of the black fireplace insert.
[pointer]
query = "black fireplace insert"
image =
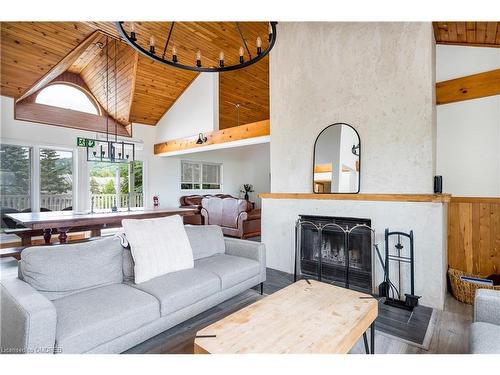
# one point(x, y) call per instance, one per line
point(345, 245)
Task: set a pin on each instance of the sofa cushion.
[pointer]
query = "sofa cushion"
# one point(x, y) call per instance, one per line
point(93, 317)
point(128, 266)
point(159, 246)
point(180, 289)
point(205, 240)
point(57, 271)
point(484, 338)
point(231, 270)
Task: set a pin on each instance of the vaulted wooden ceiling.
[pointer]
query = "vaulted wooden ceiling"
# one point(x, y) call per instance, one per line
point(146, 89)
point(481, 34)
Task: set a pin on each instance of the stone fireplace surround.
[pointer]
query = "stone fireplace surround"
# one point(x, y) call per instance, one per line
point(425, 215)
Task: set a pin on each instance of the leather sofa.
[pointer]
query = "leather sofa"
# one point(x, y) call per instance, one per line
point(235, 216)
point(86, 299)
point(194, 201)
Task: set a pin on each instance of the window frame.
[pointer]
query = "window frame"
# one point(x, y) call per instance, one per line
point(89, 96)
point(144, 185)
point(201, 182)
point(31, 158)
point(35, 190)
point(74, 165)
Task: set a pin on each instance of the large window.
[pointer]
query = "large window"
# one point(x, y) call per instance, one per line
point(15, 179)
point(200, 175)
point(116, 185)
point(67, 96)
point(56, 180)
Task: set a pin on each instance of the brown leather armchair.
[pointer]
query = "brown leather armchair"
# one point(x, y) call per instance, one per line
point(234, 216)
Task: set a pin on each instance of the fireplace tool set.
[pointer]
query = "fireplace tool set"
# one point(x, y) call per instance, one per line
point(395, 257)
point(398, 257)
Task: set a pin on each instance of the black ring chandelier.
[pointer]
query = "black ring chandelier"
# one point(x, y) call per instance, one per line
point(131, 39)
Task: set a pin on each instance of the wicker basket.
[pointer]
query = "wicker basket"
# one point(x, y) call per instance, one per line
point(465, 291)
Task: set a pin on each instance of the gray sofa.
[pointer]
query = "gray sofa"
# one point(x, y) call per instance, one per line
point(485, 331)
point(81, 298)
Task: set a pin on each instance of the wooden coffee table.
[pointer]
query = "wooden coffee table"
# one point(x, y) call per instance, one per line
point(306, 317)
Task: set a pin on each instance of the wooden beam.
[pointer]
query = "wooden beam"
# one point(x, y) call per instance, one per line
point(470, 87)
point(62, 65)
point(236, 133)
point(68, 118)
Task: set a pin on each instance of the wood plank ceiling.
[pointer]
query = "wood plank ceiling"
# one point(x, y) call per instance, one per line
point(146, 89)
point(481, 34)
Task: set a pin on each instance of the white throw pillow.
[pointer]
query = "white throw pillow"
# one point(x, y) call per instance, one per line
point(158, 246)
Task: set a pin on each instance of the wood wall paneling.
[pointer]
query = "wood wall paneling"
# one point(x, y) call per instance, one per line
point(474, 235)
point(30, 49)
point(94, 75)
point(62, 65)
point(481, 34)
point(49, 115)
point(248, 87)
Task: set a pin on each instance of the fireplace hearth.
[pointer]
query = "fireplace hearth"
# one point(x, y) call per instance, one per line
point(335, 249)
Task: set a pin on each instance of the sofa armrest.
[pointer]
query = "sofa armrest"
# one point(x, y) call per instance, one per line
point(487, 306)
point(248, 249)
point(27, 319)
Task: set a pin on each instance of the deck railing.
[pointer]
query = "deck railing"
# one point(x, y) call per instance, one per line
point(58, 202)
point(107, 201)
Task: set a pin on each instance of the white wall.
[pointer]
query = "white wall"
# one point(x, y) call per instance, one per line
point(468, 132)
point(195, 111)
point(248, 164)
point(377, 77)
point(425, 219)
point(241, 165)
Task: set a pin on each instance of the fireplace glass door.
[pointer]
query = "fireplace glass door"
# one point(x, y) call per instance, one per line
point(330, 254)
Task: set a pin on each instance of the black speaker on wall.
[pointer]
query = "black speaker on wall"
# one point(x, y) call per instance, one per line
point(438, 184)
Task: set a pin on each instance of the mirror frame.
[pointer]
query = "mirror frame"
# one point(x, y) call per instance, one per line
point(314, 157)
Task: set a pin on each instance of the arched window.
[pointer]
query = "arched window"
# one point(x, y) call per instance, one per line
point(67, 96)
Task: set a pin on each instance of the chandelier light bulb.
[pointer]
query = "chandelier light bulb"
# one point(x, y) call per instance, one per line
point(198, 58)
point(270, 32)
point(174, 54)
point(241, 55)
point(221, 59)
point(152, 44)
point(132, 31)
point(258, 43)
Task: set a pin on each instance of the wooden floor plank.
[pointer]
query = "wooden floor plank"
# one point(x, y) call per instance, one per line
point(450, 334)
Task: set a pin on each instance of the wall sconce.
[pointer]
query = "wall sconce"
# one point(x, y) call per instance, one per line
point(201, 139)
point(355, 149)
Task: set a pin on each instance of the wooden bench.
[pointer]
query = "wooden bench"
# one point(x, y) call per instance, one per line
point(14, 252)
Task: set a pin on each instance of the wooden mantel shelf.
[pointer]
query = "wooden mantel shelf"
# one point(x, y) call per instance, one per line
point(434, 198)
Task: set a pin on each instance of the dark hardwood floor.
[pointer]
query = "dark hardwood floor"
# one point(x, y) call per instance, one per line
point(450, 333)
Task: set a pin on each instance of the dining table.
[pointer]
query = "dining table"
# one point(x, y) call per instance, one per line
point(63, 221)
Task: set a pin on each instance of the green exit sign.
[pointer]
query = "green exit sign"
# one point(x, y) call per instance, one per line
point(85, 142)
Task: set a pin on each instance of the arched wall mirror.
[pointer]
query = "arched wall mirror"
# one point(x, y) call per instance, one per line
point(337, 160)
